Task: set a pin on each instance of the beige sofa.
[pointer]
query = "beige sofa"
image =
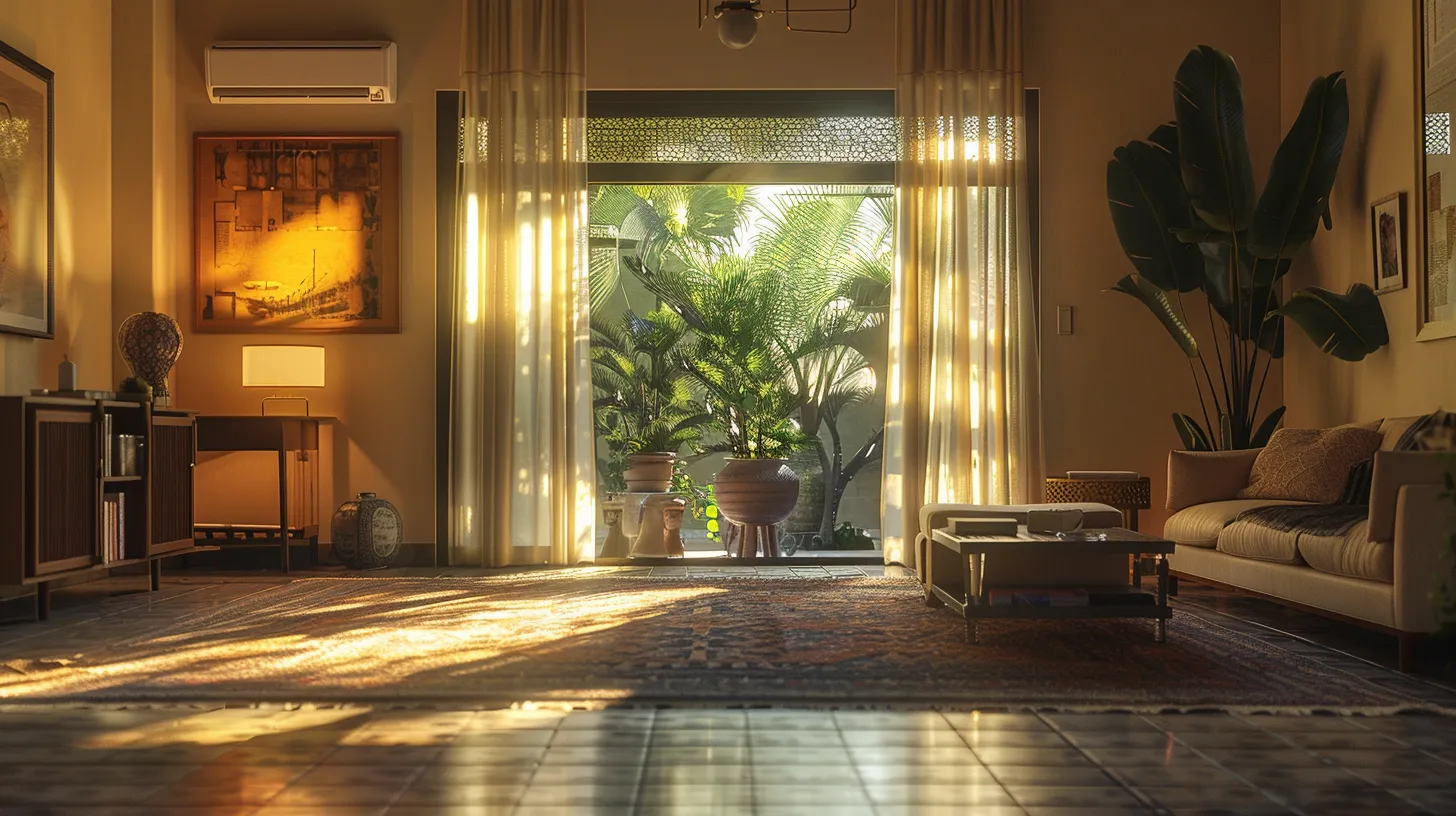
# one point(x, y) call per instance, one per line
point(1380, 574)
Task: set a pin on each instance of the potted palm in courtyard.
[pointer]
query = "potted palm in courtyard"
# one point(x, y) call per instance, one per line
point(643, 405)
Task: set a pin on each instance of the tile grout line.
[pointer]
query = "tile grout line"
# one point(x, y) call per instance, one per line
point(959, 733)
point(1122, 782)
point(1265, 792)
point(636, 805)
point(541, 761)
point(854, 766)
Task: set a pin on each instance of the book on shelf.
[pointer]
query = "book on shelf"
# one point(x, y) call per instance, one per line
point(1038, 597)
point(983, 526)
point(106, 445)
point(120, 526)
point(1103, 474)
point(113, 527)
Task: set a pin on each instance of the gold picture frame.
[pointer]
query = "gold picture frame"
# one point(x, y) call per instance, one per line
point(1387, 241)
point(27, 196)
point(296, 234)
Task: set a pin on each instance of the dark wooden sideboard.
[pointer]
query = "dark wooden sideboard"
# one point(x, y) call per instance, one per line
point(53, 480)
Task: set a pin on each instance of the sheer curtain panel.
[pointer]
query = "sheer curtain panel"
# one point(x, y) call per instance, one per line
point(521, 473)
point(962, 415)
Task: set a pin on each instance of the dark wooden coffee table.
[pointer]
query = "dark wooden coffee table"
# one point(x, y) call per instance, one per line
point(958, 575)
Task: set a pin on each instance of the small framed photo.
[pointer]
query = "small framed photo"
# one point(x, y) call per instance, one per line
point(1387, 229)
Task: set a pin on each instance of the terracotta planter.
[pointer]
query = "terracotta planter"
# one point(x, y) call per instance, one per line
point(649, 472)
point(756, 492)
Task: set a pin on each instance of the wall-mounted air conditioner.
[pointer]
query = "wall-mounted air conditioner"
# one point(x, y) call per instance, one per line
point(272, 73)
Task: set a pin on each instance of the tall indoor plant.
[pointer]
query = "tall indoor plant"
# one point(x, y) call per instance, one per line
point(1186, 213)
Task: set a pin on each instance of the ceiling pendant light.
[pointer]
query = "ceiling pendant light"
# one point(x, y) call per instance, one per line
point(738, 19)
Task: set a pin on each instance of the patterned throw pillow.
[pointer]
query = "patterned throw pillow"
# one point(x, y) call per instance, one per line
point(1309, 465)
point(1427, 432)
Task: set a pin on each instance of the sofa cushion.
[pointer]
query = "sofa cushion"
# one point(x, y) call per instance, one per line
point(1391, 429)
point(1352, 554)
point(1199, 525)
point(1309, 465)
point(1247, 539)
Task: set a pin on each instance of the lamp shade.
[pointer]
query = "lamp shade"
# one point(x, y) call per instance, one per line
point(283, 366)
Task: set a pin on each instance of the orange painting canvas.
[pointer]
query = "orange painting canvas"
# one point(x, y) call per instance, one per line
point(297, 234)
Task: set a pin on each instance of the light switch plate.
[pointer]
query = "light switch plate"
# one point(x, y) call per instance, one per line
point(1064, 320)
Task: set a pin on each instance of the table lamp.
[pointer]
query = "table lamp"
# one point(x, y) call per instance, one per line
point(283, 367)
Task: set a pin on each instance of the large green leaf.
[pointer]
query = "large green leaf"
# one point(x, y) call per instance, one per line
point(1303, 173)
point(1157, 303)
point(1193, 436)
point(1147, 201)
point(1266, 428)
point(1213, 150)
point(1348, 326)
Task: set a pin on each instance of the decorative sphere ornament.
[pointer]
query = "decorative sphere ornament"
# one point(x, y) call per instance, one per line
point(150, 343)
point(368, 532)
point(737, 27)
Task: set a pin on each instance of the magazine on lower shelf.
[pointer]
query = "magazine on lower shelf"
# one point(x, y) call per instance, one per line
point(1038, 597)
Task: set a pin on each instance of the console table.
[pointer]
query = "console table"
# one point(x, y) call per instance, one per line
point(287, 436)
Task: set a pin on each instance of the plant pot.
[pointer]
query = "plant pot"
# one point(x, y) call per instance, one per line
point(756, 492)
point(649, 472)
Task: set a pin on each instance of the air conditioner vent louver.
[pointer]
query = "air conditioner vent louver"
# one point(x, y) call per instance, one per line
point(301, 73)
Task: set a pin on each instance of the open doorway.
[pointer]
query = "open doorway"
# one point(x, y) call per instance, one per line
point(744, 320)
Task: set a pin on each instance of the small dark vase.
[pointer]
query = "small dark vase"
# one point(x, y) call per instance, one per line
point(368, 532)
point(150, 344)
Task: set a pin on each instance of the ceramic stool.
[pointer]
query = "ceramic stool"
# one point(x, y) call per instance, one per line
point(616, 545)
point(652, 540)
point(672, 522)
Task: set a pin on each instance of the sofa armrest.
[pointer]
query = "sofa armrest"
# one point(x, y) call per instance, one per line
point(1199, 477)
point(1393, 470)
point(1424, 523)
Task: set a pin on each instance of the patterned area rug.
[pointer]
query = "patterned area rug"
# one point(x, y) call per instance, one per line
point(591, 637)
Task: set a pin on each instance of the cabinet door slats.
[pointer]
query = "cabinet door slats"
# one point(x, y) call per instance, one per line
point(172, 459)
point(65, 461)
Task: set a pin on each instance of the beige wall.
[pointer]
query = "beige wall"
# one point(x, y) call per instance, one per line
point(1110, 387)
point(73, 39)
point(1373, 42)
point(380, 387)
point(655, 44)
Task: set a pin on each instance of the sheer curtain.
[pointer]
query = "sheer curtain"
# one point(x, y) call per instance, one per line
point(962, 414)
point(521, 473)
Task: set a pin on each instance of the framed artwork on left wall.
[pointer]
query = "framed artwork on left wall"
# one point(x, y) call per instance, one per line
point(296, 234)
point(27, 196)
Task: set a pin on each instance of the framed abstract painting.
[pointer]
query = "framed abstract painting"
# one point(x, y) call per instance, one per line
point(27, 196)
point(297, 234)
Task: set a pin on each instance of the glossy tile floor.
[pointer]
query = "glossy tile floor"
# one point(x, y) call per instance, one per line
point(405, 759)
point(351, 760)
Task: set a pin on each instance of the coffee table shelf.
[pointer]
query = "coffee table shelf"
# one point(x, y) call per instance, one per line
point(958, 571)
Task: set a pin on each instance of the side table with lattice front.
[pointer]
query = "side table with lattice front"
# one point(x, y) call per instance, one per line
point(1127, 495)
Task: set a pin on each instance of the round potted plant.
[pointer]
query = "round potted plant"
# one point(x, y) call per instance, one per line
point(756, 489)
